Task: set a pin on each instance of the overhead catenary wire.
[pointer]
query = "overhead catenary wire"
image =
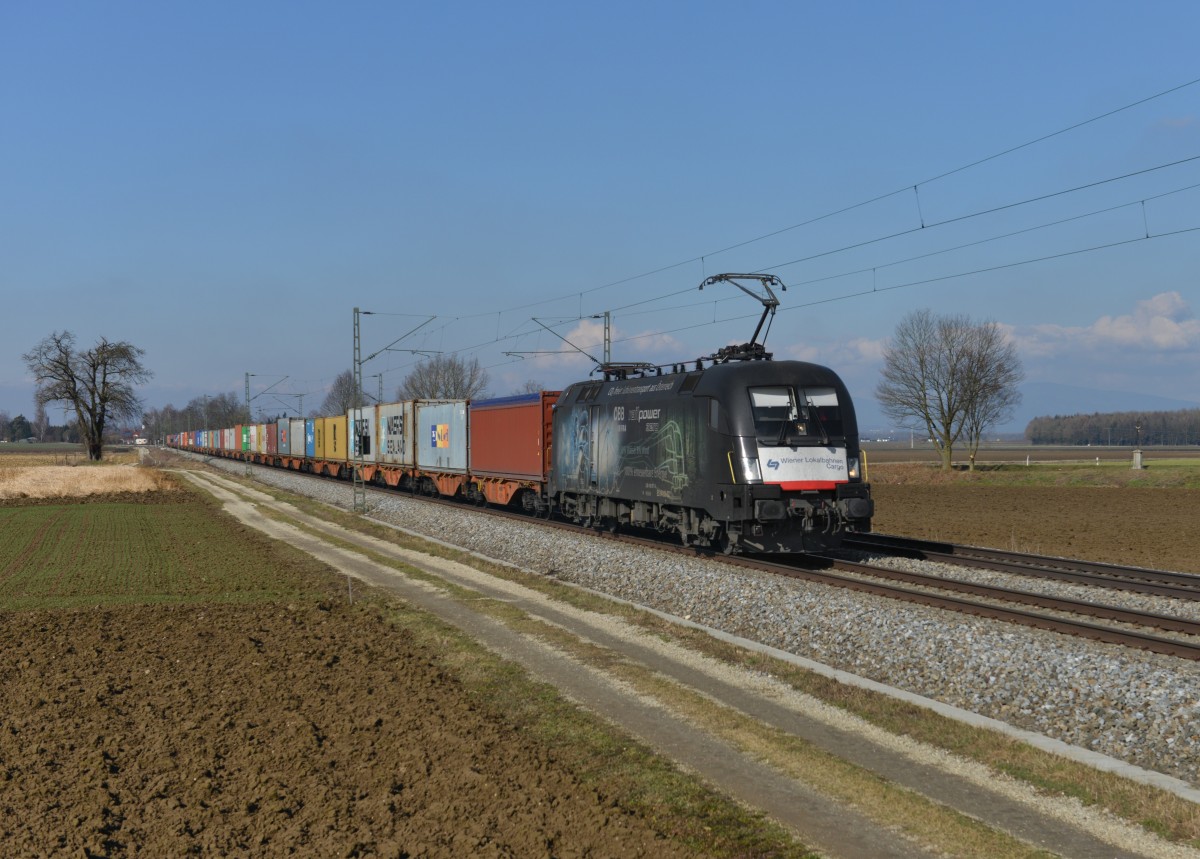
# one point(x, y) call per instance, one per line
point(702, 258)
point(878, 197)
point(921, 282)
point(516, 332)
point(861, 293)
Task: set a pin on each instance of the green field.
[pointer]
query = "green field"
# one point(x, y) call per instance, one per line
point(111, 553)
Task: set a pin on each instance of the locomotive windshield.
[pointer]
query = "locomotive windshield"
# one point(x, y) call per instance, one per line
point(795, 416)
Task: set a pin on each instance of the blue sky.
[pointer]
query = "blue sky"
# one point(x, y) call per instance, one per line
point(222, 183)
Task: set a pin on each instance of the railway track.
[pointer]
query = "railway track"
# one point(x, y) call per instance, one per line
point(1163, 583)
point(999, 604)
point(995, 602)
point(1126, 627)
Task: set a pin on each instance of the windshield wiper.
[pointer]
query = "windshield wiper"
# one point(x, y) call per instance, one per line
point(814, 416)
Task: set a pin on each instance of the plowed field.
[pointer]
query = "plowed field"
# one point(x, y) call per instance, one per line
point(1145, 527)
point(297, 724)
point(299, 729)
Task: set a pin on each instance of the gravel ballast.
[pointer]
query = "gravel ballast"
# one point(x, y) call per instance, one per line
point(1138, 707)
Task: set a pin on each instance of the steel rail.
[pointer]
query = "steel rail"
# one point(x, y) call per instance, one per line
point(1165, 583)
point(1111, 635)
point(1012, 595)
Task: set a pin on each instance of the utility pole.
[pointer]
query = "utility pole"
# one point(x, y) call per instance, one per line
point(246, 429)
point(608, 337)
point(356, 433)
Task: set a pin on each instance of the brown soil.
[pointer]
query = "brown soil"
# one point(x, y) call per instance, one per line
point(313, 728)
point(270, 730)
point(1125, 525)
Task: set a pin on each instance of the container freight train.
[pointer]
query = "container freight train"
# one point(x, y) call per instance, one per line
point(747, 456)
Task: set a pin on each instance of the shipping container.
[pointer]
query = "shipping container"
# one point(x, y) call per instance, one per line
point(310, 437)
point(260, 445)
point(243, 437)
point(441, 435)
point(395, 434)
point(510, 436)
point(331, 438)
point(365, 434)
point(272, 435)
point(296, 434)
point(283, 445)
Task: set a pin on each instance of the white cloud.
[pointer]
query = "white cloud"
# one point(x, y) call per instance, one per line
point(856, 352)
point(1162, 323)
point(588, 335)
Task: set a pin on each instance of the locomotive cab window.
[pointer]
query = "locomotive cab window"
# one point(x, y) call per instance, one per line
point(786, 416)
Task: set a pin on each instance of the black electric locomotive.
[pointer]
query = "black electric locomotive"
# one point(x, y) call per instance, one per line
point(755, 456)
point(746, 454)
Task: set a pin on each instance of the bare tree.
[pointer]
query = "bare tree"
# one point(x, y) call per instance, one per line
point(340, 398)
point(955, 376)
point(97, 383)
point(444, 377)
point(993, 373)
point(531, 386)
point(41, 423)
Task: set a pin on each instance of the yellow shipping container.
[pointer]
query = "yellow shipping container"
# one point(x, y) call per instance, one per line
point(331, 438)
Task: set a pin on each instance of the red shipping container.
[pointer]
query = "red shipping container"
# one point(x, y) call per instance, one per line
point(510, 436)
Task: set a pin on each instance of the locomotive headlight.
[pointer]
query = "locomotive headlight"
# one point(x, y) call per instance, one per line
point(751, 473)
point(852, 467)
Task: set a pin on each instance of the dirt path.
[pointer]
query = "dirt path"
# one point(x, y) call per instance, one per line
point(832, 826)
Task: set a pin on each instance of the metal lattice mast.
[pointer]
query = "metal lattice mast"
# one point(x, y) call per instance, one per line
point(238, 441)
point(608, 337)
point(358, 429)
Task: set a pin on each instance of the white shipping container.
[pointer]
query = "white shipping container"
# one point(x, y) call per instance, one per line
point(394, 434)
point(296, 433)
point(367, 433)
point(441, 435)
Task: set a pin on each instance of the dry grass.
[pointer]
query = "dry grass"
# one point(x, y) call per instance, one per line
point(63, 481)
